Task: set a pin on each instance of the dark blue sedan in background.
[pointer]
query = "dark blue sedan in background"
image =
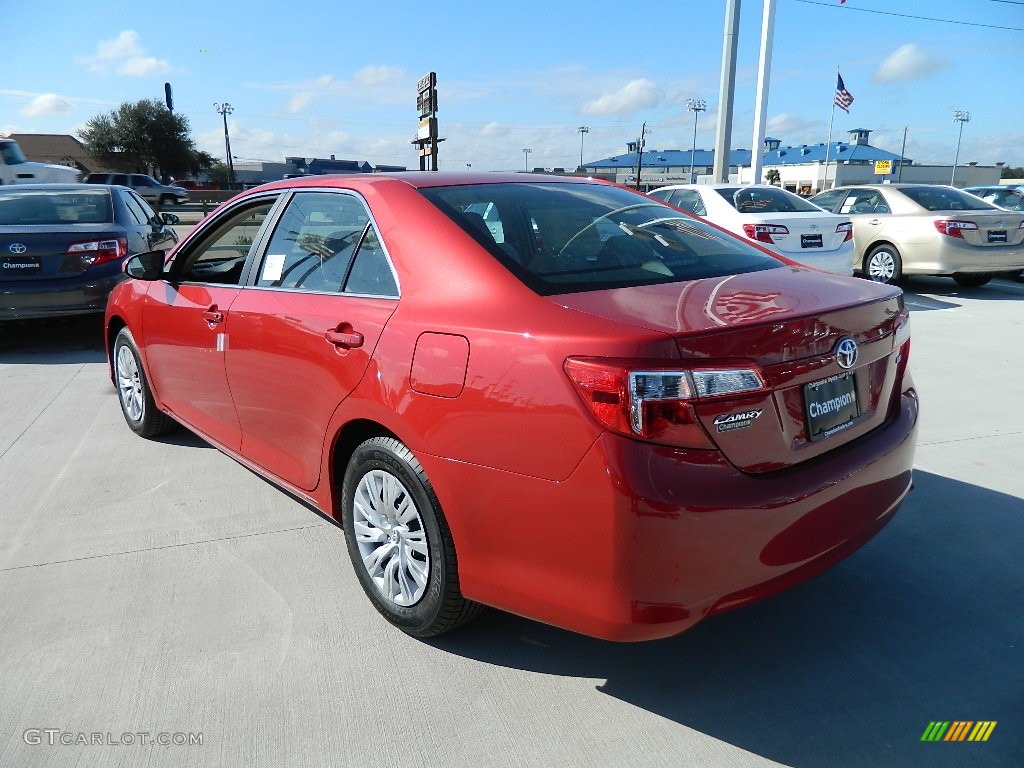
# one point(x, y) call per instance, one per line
point(62, 246)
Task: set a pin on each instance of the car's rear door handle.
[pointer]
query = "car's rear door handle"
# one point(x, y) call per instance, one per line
point(213, 315)
point(876, 222)
point(343, 336)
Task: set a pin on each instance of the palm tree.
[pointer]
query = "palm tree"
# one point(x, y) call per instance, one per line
point(772, 176)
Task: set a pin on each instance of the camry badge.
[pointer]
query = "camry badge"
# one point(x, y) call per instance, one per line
point(846, 353)
point(17, 248)
point(732, 421)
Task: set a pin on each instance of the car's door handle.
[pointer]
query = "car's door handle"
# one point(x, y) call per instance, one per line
point(876, 222)
point(343, 336)
point(213, 315)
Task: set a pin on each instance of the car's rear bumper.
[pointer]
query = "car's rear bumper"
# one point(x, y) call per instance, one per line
point(30, 300)
point(644, 541)
point(950, 255)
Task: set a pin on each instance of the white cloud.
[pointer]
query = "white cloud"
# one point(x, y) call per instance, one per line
point(124, 46)
point(46, 105)
point(634, 96)
point(125, 55)
point(378, 75)
point(908, 62)
point(142, 66)
point(299, 102)
point(494, 130)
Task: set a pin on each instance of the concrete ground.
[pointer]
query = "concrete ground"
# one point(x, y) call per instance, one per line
point(158, 591)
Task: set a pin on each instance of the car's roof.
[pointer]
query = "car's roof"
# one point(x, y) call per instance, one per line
point(53, 187)
point(720, 185)
point(425, 179)
point(898, 185)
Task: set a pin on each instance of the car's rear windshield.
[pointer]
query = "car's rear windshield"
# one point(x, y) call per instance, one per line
point(765, 200)
point(36, 207)
point(568, 238)
point(945, 199)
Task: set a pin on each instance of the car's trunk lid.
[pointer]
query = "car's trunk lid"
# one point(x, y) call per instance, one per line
point(40, 252)
point(789, 323)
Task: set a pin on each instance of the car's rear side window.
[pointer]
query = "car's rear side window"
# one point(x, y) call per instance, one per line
point(943, 199)
point(568, 237)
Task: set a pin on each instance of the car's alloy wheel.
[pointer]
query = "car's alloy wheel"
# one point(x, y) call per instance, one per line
point(389, 533)
point(883, 265)
point(133, 393)
point(399, 542)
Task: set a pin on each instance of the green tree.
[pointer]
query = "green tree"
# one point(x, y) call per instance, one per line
point(1010, 172)
point(772, 176)
point(146, 136)
point(218, 174)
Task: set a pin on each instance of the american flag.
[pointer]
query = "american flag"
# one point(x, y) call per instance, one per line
point(843, 97)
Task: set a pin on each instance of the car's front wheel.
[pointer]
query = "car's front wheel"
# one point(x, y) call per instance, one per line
point(133, 392)
point(883, 264)
point(972, 279)
point(399, 542)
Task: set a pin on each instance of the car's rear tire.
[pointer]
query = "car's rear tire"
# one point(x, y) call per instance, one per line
point(399, 542)
point(133, 392)
point(883, 264)
point(972, 279)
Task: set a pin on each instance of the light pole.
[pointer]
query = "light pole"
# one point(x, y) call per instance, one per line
point(696, 106)
point(582, 130)
point(526, 155)
point(960, 116)
point(226, 109)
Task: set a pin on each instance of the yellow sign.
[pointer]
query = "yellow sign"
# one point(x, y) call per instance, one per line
point(883, 167)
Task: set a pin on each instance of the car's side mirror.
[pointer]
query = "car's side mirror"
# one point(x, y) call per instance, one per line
point(146, 266)
point(164, 220)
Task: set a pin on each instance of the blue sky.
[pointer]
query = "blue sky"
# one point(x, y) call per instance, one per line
point(317, 78)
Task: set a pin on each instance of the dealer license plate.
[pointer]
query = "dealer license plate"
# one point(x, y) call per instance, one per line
point(997, 236)
point(831, 405)
point(810, 241)
point(12, 266)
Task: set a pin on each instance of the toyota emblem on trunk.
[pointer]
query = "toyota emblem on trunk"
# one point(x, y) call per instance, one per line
point(17, 248)
point(846, 353)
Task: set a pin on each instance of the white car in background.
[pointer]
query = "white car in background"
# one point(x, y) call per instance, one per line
point(785, 222)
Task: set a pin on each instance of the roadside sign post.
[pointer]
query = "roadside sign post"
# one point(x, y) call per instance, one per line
point(426, 140)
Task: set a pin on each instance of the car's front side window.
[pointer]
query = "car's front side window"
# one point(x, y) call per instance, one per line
point(221, 254)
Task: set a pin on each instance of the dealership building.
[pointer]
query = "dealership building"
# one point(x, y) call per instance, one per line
point(805, 169)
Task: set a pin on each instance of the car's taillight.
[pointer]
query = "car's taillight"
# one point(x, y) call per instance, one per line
point(763, 232)
point(847, 228)
point(95, 252)
point(654, 403)
point(901, 343)
point(955, 228)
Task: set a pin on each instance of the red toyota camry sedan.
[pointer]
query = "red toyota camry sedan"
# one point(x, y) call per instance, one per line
point(549, 395)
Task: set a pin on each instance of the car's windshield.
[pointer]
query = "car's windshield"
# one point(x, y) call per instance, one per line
point(54, 208)
point(945, 199)
point(765, 200)
point(565, 238)
point(11, 153)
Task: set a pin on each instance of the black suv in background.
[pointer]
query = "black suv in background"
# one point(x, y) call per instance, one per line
point(155, 193)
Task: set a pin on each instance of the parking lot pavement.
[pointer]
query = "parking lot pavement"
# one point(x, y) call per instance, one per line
point(158, 590)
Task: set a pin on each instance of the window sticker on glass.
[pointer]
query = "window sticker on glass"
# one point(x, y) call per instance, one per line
point(273, 267)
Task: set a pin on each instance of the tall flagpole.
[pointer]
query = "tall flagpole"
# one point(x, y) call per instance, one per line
point(831, 119)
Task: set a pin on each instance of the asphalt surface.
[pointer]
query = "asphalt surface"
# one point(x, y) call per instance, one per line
point(157, 590)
